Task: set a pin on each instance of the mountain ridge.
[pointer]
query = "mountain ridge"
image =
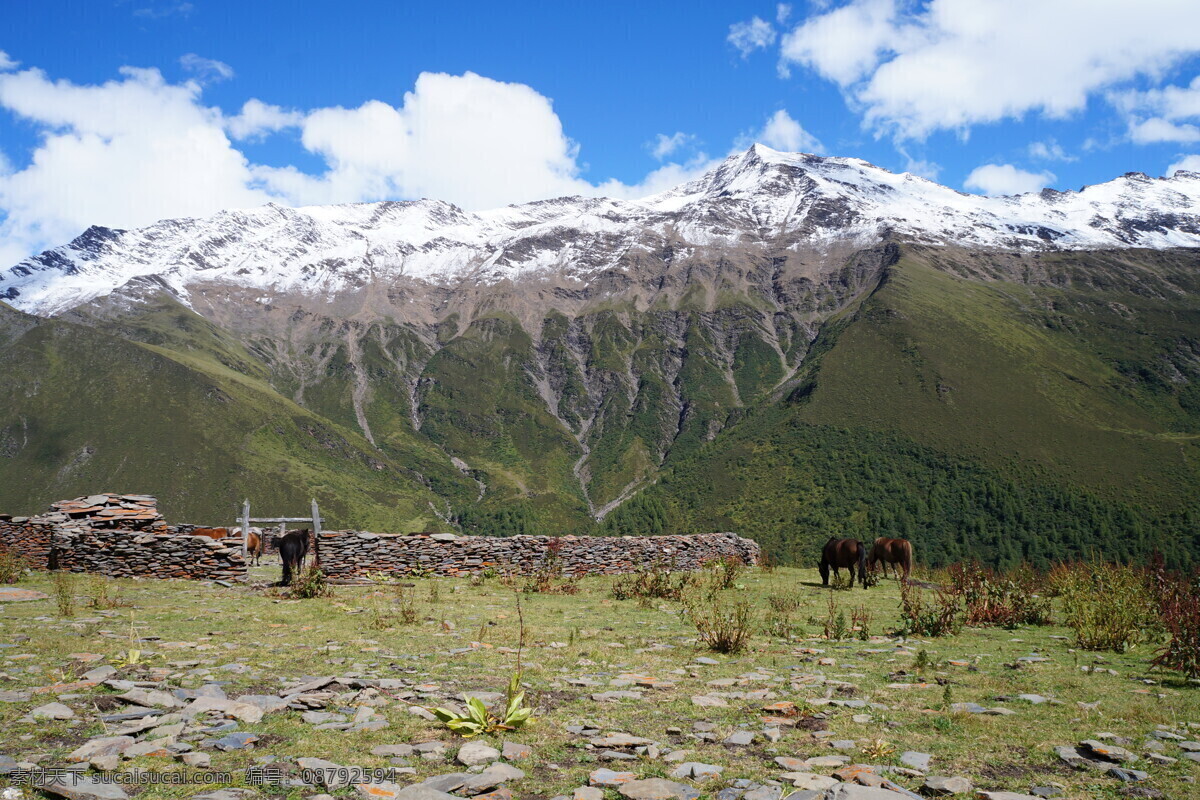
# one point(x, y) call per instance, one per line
point(758, 200)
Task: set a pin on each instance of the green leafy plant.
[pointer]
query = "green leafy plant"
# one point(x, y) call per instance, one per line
point(942, 617)
point(1108, 606)
point(723, 626)
point(309, 583)
point(478, 719)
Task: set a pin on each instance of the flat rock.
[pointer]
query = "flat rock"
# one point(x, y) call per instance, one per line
point(11, 594)
point(809, 780)
point(78, 786)
point(587, 793)
point(236, 741)
point(52, 711)
point(852, 791)
point(708, 701)
point(739, 739)
point(227, 794)
point(657, 789)
point(609, 779)
point(392, 750)
point(1108, 752)
point(938, 785)
point(473, 753)
point(912, 758)
point(229, 708)
point(1005, 796)
point(515, 751)
point(696, 771)
point(104, 746)
point(269, 703)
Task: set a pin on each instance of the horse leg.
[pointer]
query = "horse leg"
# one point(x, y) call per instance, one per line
point(823, 568)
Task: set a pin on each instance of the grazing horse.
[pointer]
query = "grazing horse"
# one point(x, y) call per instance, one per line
point(897, 552)
point(293, 548)
point(839, 553)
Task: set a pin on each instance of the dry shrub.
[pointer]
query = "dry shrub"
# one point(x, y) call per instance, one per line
point(13, 565)
point(1108, 606)
point(548, 577)
point(104, 593)
point(1178, 599)
point(63, 584)
point(785, 602)
point(725, 626)
point(835, 627)
point(860, 622)
point(919, 617)
point(656, 582)
point(724, 572)
point(1008, 600)
point(309, 583)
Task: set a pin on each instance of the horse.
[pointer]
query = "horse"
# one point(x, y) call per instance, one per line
point(254, 544)
point(293, 548)
point(844, 553)
point(897, 552)
point(211, 533)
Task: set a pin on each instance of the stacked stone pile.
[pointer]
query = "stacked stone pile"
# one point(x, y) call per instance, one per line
point(134, 512)
point(28, 537)
point(353, 554)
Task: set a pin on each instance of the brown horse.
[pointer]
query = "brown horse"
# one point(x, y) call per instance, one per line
point(839, 553)
point(897, 552)
point(254, 544)
point(211, 533)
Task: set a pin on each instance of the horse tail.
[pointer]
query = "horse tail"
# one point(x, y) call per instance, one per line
point(908, 558)
point(862, 564)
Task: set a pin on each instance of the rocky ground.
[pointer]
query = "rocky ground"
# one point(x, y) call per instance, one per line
point(262, 696)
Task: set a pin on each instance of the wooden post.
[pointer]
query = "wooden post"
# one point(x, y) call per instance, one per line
point(316, 520)
point(246, 535)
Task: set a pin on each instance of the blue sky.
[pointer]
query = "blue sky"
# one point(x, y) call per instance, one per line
point(120, 112)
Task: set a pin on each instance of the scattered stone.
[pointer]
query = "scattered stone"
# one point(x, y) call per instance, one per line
point(1128, 775)
point(709, 701)
point(473, 753)
point(657, 789)
point(77, 786)
point(236, 741)
point(939, 785)
point(52, 711)
point(515, 751)
point(608, 779)
point(11, 594)
point(809, 780)
point(696, 771)
point(392, 750)
point(739, 739)
point(105, 746)
point(587, 793)
point(915, 760)
point(1107, 752)
point(196, 759)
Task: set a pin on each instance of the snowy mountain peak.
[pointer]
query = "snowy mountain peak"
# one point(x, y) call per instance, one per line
point(758, 200)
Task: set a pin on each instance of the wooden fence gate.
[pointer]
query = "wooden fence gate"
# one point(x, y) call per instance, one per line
point(246, 519)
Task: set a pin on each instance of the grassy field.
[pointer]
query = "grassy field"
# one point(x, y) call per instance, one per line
point(464, 639)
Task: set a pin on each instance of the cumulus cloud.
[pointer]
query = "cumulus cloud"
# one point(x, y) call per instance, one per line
point(1190, 163)
point(784, 133)
point(137, 149)
point(664, 145)
point(1160, 115)
point(124, 153)
point(208, 70)
point(257, 119)
point(999, 179)
point(949, 64)
point(750, 36)
point(6, 63)
point(1049, 150)
point(1157, 129)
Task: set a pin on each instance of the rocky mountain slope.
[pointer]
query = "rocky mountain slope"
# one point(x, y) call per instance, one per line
point(535, 367)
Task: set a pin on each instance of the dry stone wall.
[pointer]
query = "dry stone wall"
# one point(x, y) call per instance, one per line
point(129, 554)
point(27, 538)
point(355, 554)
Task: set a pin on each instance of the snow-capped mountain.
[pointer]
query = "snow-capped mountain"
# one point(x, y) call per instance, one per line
point(759, 200)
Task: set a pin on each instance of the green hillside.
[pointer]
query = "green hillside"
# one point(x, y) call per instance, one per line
point(1000, 405)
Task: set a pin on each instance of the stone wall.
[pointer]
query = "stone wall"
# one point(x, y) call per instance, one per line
point(29, 538)
point(354, 554)
point(129, 554)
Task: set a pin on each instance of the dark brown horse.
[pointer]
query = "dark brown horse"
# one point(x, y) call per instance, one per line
point(839, 553)
point(897, 552)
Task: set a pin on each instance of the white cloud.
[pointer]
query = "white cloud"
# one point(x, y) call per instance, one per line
point(1049, 150)
point(257, 119)
point(1157, 129)
point(950, 64)
point(1190, 163)
point(750, 36)
point(206, 69)
point(123, 153)
point(161, 10)
point(664, 145)
point(784, 133)
point(138, 149)
point(782, 12)
point(997, 179)
point(7, 63)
